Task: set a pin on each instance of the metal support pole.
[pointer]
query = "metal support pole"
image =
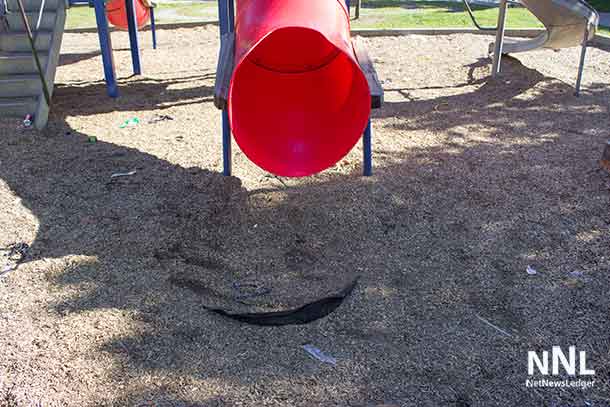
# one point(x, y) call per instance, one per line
point(367, 148)
point(153, 27)
point(132, 23)
point(226, 17)
point(223, 16)
point(358, 5)
point(231, 15)
point(106, 48)
point(226, 144)
point(495, 70)
point(581, 66)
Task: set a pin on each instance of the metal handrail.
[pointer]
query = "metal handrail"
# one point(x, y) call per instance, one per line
point(474, 20)
point(40, 13)
point(3, 13)
point(26, 23)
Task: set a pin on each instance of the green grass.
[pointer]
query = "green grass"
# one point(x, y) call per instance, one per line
point(600, 5)
point(405, 15)
point(378, 14)
point(80, 17)
point(84, 17)
point(203, 11)
point(382, 14)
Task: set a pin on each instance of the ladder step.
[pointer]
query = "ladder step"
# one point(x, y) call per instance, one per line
point(20, 62)
point(32, 5)
point(20, 85)
point(19, 42)
point(21, 89)
point(47, 22)
point(18, 106)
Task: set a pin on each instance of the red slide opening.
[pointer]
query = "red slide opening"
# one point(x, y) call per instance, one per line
point(298, 100)
point(117, 13)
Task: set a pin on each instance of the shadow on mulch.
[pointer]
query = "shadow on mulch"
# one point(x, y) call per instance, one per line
point(439, 234)
point(80, 98)
point(75, 57)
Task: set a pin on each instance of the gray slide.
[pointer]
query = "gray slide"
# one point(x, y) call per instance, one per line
point(565, 20)
point(568, 23)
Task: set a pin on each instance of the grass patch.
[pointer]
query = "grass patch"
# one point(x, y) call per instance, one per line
point(600, 5)
point(440, 14)
point(375, 14)
point(203, 11)
point(378, 14)
point(84, 17)
point(80, 17)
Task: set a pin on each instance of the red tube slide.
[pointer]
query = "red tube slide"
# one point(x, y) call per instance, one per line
point(298, 100)
point(117, 13)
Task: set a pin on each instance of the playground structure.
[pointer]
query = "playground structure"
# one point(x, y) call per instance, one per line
point(31, 34)
point(273, 105)
point(294, 111)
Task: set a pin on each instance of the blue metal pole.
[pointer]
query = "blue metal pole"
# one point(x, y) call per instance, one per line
point(223, 16)
point(106, 48)
point(132, 23)
point(225, 19)
point(231, 15)
point(153, 28)
point(367, 162)
point(226, 144)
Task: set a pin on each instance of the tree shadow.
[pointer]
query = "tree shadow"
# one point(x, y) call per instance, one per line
point(440, 235)
point(510, 101)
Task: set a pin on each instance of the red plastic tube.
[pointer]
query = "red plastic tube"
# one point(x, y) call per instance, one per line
point(298, 100)
point(117, 13)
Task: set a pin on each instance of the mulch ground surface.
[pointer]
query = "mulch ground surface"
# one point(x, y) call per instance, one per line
point(475, 180)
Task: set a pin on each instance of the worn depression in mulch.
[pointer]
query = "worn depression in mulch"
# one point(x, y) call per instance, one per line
point(475, 180)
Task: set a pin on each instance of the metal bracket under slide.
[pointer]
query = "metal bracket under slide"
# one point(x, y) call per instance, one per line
point(224, 70)
point(366, 64)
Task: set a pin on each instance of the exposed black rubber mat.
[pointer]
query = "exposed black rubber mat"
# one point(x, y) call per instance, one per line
point(297, 316)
